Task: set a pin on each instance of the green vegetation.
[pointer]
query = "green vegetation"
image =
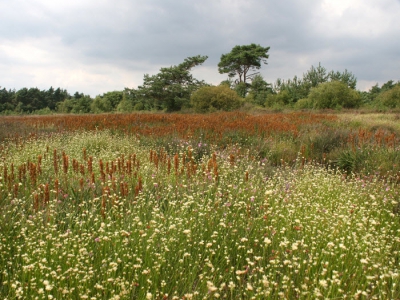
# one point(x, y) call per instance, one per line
point(171, 89)
point(212, 98)
point(243, 59)
point(390, 98)
point(334, 94)
point(287, 93)
point(97, 215)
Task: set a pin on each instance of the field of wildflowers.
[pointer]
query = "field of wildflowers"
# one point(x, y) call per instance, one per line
point(197, 207)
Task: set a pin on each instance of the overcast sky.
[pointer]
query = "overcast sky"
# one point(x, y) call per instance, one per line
point(95, 46)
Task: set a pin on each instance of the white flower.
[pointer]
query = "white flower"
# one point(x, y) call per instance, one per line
point(323, 283)
point(330, 245)
point(211, 287)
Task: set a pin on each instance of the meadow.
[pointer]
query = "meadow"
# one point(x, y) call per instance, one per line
point(174, 206)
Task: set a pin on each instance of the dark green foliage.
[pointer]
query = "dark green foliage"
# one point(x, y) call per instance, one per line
point(297, 88)
point(6, 100)
point(171, 88)
point(370, 98)
point(211, 98)
point(346, 77)
point(126, 104)
point(138, 106)
point(30, 100)
point(100, 105)
point(243, 59)
point(241, 89)
point(334, 94)
point(108, 102)
point(351, 161)
point(259, 90)
point(78, 104)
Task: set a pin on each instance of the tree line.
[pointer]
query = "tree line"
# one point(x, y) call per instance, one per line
point(174, 89)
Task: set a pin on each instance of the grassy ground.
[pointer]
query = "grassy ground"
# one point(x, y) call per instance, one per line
point(104, 214)
point(372, 121)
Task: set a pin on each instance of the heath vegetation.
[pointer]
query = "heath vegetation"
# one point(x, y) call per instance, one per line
point(224, 205)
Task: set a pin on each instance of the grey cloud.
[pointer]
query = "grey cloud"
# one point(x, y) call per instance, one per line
point(140, 36)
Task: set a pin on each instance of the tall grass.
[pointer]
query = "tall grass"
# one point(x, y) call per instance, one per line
point(97, 215)
point(324, 138)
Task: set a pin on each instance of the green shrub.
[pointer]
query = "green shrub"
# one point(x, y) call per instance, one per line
point(280, 99)
point(211, 98)
point(334, 94)
point(43, 111)
point(390, 98)
point(304, 103)
point(125, 106)
point(138, 106)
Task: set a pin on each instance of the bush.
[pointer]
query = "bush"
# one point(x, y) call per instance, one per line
point(304, 103)
point(43, 111)
point(278, 100)
point(125, 106)
point(390, 98)
point(211, 98)
point(334, 94)
point(138, 106)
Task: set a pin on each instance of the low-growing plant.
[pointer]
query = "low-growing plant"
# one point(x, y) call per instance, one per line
point(124, 220)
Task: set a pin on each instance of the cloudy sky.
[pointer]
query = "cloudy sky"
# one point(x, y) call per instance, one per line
point(95, 46)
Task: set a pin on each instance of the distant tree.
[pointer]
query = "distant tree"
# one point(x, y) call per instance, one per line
point(114, 97)
point(346, 77)
point(313, 77)
point(101, 105)
point(55, 96)
point(107, 102)
point(6, 100)
point(294, 89)
point(370, 97)
point(171, 88)
point(298, 88)
point(388, 86)
point(211, 98)
point(243, 59)
point(82, 105)
point(126, 104)
point(22, 101)
point(259, 90)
